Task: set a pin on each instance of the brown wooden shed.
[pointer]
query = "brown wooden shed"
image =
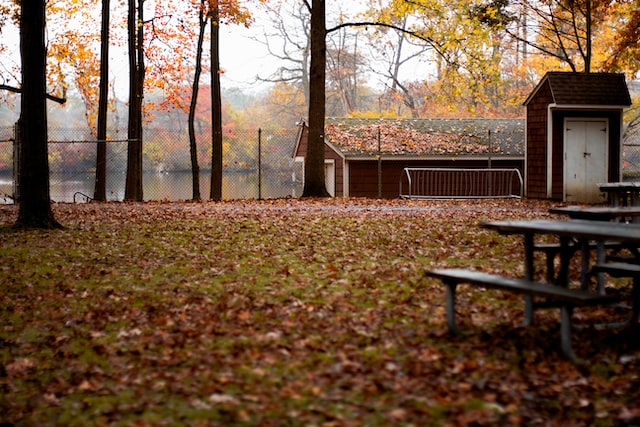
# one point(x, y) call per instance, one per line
point(356, 166)
point(573, 135)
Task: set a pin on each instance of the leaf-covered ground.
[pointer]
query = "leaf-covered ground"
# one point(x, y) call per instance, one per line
point(289, 312)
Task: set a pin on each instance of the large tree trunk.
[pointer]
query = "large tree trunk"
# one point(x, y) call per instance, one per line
point(193, 146)
point(100, 189)
point(35, 204)
point(216, 107)
point(314, 184)
point(133, 185)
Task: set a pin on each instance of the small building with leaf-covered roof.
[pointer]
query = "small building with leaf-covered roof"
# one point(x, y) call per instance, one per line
point(574, 134)
point(366, 157)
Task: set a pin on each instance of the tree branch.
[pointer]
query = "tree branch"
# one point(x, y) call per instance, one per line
point(415, 34)
point(18, 90)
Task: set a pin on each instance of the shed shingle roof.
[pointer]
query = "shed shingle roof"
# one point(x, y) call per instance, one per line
point(598, 89)
point(357, 136)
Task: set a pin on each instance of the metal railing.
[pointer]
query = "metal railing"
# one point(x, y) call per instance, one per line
point(453, 183)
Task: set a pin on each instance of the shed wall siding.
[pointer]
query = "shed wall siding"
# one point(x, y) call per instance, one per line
point(363, 175)
point(536, 175)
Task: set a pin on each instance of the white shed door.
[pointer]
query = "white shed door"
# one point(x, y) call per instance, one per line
point(585, 160)
point(330, 176)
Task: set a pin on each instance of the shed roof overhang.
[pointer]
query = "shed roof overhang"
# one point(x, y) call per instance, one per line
point(587, 107)
point(439, 157)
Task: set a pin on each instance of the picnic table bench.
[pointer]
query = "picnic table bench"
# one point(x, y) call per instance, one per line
point(574, 235)
point(599, 213)
point(564, 298)
point(625, 269)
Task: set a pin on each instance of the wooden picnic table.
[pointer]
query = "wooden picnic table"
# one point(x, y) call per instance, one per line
point(574, 235)
point(600, 213)
point(622, 193)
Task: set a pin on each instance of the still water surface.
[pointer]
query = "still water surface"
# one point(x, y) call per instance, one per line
point(171, 186)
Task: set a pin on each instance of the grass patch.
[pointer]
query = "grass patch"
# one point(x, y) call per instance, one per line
point(283, 313)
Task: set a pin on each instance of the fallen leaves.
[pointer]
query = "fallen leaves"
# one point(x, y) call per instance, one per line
point(285, 312)
point(19, 366)
point(394, 138)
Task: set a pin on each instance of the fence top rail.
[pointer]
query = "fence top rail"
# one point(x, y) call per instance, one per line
point(90, 141)
point(515, 170)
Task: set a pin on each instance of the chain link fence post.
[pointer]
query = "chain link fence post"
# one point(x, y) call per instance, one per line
point(17, 153)
point(259, 164)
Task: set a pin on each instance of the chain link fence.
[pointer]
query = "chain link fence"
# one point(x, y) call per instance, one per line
point(631, 152)
point(256, 164)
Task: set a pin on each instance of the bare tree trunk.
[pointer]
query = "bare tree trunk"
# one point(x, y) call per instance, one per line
point(100, 189)
point(193, 146)
point(133, 186)
point(314, 178)
point(35, 204)
point(216, 107)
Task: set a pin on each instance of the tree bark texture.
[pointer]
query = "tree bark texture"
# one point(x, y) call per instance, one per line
point(133, 185)
point(34, 199)
point(216, 107)
point(100, 189)
point(314, 178)
point(193, 145)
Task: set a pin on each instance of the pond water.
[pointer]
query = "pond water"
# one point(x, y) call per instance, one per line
point(171, 186)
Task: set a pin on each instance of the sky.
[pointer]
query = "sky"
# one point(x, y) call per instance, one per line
point(242, 57)
point(241, 69)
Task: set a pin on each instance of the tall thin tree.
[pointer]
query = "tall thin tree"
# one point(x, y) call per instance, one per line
point(193, 147)
point(35, 204)
point(133, 185)
point(100, 189)
point(216, 104)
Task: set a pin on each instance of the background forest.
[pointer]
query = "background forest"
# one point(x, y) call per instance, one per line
point(385, 58)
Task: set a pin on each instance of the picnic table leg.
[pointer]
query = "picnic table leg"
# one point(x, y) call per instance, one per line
point(584, 272)
point(565, 332)
point(565, 260)
point(451, 305)
point(614, 198)
point(635, 301)
point(528, 274)
point(601, 258)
